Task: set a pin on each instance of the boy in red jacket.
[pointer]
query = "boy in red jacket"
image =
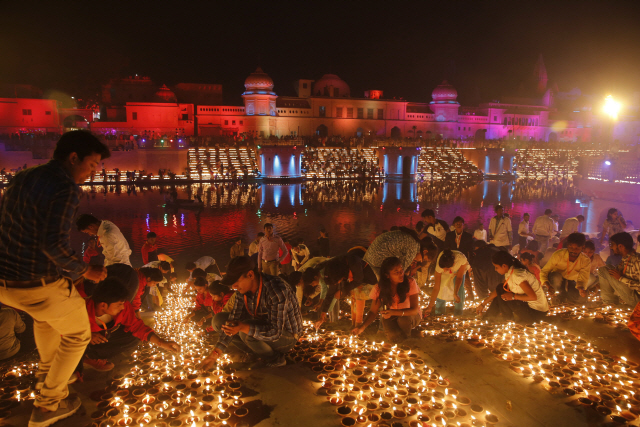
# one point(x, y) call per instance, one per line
point(115, 327)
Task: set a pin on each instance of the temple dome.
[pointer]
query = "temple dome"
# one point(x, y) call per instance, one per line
point(258, 80)
point(331, 85)
point(164, 94)
point(445, 93)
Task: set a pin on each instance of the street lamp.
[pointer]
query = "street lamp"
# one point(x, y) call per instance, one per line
point(611, 107)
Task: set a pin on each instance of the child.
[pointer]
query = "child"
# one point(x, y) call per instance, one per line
point(91, 251)
point(220, 294)
point(397, 295)
point(451, 267)
point(529, 261)
point(204, 302)
point(150, 249)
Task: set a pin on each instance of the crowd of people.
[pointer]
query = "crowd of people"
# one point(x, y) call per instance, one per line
point(87, 309)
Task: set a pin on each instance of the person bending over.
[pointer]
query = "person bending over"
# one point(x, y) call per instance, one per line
point(147, 278)
point(265, 320)
point(115, 247)
point(397, 295)
point(520, 298)
point(115, 327)
point(451, 267)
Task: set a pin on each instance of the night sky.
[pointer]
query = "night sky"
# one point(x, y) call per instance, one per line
point(486, 49)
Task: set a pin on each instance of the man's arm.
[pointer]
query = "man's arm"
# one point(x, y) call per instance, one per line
point(19, 325)
point(236, 312)
point(491, 226)
point(57, 226)
point(284, 250)
point(584, 272)
point(260, 250)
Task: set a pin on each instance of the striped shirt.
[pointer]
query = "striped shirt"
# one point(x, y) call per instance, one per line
point(36, 216)
point(277, 311)
point(629, 269)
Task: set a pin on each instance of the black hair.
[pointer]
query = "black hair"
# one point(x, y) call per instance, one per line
point(526, 213)
point(576, 239)
point(165, 265)
point(190, 265)
point(85, 220)
point(217, 288)
point(427, 244)
point(198, 272)
point(428, 212)
point(151, 234)
point(498, 206)
point(261, 234)
point(267, 225)
point(623, 239)
point(533, 245)
point(385, 283)
point(200, 282)
point(309, 275)
point(394, 228)
point(335, 270)
point(152, 273)
point(548, 211)
point(458, 219)
point(294, 278)
point(590, 245)
point(82, 143)
point(447, 259)
point(479, 244)
point(308, 289)
point(611, 212)
point(419, 226)
point(528, 256)
point(580, 217)
point(505, 258)
point(173, 275)
point(109, 291)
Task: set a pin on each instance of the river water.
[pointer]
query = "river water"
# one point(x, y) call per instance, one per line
point(352, 212)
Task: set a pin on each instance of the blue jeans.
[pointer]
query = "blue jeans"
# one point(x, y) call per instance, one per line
point(248, 344)
point(457, 307)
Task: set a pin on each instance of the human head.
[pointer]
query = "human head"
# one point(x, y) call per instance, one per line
point(200, 283)
point(447, 259)
point(80, 152)
point(239, 241)
point(295, 279)
point(190, 266)
point(548, 212)
point(151, 237)
point(298, 242)
point(419, 226)
point(502, 261)
point(575, 244)
point(589, 248)
point(242, 274)
point(580, 218)
point(173, 277)
point(621, 243)
point(458, 223)
point(499, 210)
point(153, 275)
point(217, 290)
point(429, 216)
point(268, 229)
point(391, 269)
point(336, 270)
point(109, 297)
point(260, 236)
point(310, 279)
point(527, 258)
point(533, 245)
point(88, 224)
point(165, 267)
point(526, 217)
point(612, 214)
point(428, 250)
point(480, 225)
point(198, 272)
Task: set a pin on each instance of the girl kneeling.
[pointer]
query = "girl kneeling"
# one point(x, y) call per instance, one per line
point(397, 294)
point(520, 296)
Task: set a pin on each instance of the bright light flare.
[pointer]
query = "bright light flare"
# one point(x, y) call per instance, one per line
point(611, 107)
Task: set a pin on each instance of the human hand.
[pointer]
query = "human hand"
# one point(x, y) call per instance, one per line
point(386, 314)
point(356, 331)
point(323, 318)
point(170, 346)
point(583, 292)
point(456, 298)
point(427, 311)
point(95, 273)
point(98, 338)
point(507, 296)
point(200, 322)
point(614, 273)
point(308, 303)
point(210, 360)
point(480, 308)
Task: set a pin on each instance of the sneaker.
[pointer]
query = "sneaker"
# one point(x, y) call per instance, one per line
point(102, 365)
point(277, 361)
point(40, 380)
point(66, 408)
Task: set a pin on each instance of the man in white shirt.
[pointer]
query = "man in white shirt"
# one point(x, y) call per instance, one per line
point(500, 231)
point(202, 263)
point(115, 247)
point(523, 231)
point(543, 230)
point(434, 227)
point(571, 225)
point(253, 247)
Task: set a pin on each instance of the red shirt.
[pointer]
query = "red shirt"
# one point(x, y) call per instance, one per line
point(142, 283)
point(287, 259)
point(219, 305)
point(146, 248)
point(127, 318)
point(203, 301)
point(88, 254)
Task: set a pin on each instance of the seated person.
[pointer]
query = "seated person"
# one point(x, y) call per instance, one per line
point(528, 260)
point(520, 298)
point(397, 295)
point(624, 280)
point(567, 271)
point(115, 327)
point(10, 324)
point(596, 262)
point(265, 319)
